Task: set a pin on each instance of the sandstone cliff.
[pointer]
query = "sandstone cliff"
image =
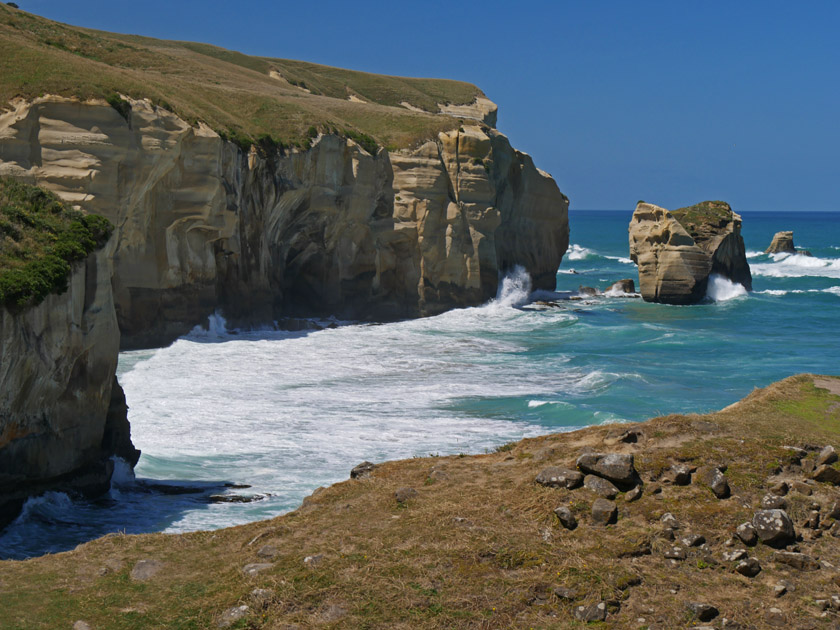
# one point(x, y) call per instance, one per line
point(62, 413)
point(677, 251)
point(201, 224)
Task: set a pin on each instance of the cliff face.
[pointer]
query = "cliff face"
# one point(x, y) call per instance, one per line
point(60, 418)
point(677, 252)
point(333, 230)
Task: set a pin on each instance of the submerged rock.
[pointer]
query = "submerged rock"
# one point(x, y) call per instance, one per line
point(677, 251)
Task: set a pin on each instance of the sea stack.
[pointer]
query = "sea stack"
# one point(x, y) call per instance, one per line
point(676, 251)
point(782, 243)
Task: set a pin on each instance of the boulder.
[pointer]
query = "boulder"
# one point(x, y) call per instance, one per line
point(403, 495)
point(746, 533)
point(588, 291)
point(231, 616)
point(362, 470)
point(827, 474)
point(600, 486)
point(678, 475)
point(714, 479)
point(616, 467)
point(773, 527)
point(827, 456)
point(796, 560)
point(558, 477)
point(677, 251)
point(622, 286)
point(604, 512)
point(633, 495)
point(595, 612)
point(748, 568)
point(567, 519)
point(773, 502)
point(702, 612)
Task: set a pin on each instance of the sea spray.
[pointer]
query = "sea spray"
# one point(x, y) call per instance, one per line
point(722, 289)
point(514, 289)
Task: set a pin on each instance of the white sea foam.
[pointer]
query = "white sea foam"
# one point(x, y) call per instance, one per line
point(578, 252)
point(537, 403)
point(514, 289)
point(50, 506)
point(833, 290)
point(797, 266)
point(621, 259)
point(754, 254)
point(722, 289)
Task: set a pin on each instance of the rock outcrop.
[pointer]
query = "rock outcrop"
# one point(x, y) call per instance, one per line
point(677, 251)
point(202, 225)
point(782, 243)
point(62, 412)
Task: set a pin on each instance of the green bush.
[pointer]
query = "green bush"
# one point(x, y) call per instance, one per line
point(40, 238)
point(122, 106)
point(365, 141)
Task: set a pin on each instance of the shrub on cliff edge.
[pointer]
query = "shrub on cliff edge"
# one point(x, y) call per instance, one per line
point(40, 238)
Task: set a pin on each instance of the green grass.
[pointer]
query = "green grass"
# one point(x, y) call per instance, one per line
point(40, 238)
point(236, 94)
point(713, 213)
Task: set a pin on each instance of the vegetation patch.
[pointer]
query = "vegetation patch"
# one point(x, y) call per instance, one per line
point(703, 215)
point(40, 238)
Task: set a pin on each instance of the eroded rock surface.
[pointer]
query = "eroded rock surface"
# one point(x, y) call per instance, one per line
point(201, 225)
point(678, 251)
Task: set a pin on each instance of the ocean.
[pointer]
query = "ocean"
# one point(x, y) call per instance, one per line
point(287, 412)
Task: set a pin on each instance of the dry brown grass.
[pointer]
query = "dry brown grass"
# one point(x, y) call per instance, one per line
point(478, 547)
point(231, 92)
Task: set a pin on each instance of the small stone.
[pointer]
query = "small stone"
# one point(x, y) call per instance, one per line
point(256, 567)
point(261, 597)
point(773, 502)
point(773, 527)
point(798, 561)
point(834, 511)
point(808, 465)
point(735, 555)
point(827, 474)
point(749, 567)
point(675, 553)
point(654, 488)
point(567, 519)
point(813, 521)
point(362, 470)
point(693, 540)
point(604, 512)
point(403, 495)
point(145, 570)
point(746, 532)
point(566, 593)
point(670, 521)
point(267, 551)
point(822, 604)
point(802, 488)
point(82, 625)
point(775, 617)
point(595, 612)
point(779, 489)
point(314, 560)
point(703, 612)
point(779, 590)
point(557, 477)
point(794, 453)
point(231, 616)
point(826, 456)
point(600, 486)
point(633, 495)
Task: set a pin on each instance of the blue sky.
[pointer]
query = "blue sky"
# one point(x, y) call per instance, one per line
point(671, 102)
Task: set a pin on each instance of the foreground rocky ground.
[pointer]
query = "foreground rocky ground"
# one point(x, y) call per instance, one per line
point(727, 520)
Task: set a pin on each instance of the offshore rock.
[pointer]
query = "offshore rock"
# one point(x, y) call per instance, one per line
point(333, 230)
point(782, 243)
point(677, 251)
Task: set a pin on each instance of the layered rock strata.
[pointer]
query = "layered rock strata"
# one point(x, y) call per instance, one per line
point(62, 412)
point(678, 251)
point(334, 230)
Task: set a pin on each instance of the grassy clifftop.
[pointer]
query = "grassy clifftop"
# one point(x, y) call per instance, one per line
point(40, 237)
point(234, 93)
point(473, 541)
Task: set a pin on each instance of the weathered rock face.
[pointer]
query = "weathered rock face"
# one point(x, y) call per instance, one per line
point(677, 251)
point(62, 413)
point(782, 243)
point(201, 225)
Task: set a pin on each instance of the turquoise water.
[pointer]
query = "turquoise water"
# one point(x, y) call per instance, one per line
point(288, 412)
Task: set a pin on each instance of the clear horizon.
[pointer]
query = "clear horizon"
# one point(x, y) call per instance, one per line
point(668, 102)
